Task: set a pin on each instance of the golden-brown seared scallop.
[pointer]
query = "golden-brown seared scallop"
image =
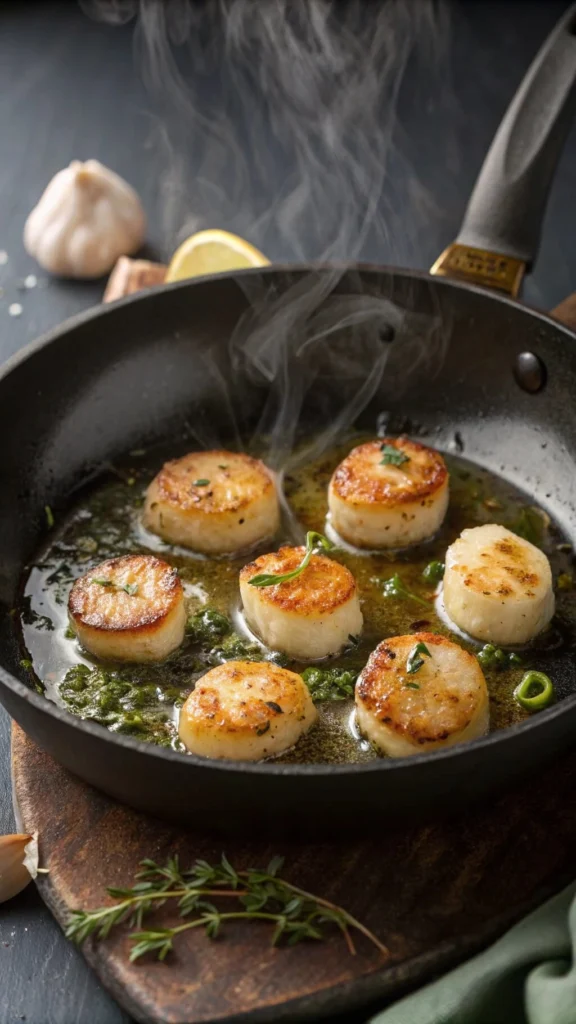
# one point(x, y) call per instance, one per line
point(388, 494)
point(129, 609)
point(443, 702)
point(308, 617)
point(246, 711)
point(216, 502)
point(497, 586)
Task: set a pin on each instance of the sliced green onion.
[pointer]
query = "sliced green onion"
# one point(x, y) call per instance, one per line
point(535, 692)
point(313, 540)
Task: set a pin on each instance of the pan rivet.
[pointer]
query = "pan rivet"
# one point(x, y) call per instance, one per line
point(530, 372)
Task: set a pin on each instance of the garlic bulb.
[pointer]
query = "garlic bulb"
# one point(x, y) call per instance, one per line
point(18, 863)
point(84, 220)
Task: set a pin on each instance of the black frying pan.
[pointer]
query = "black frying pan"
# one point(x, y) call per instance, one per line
point(124, 376)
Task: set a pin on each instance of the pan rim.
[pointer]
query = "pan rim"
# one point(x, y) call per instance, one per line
point(449, 754)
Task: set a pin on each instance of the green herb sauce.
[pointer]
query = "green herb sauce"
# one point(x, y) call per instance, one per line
point(397, 589)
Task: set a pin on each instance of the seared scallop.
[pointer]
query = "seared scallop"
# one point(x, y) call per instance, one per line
point(497, 586)
point(129, 609)
point(442, 701)
point(389, 493)
point(216, 502)
point(246, 711)
point(308, 617)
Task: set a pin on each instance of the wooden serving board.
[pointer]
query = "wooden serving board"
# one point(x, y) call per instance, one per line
point(433, 894)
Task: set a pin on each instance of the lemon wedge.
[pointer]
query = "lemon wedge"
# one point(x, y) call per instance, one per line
point(212, 252)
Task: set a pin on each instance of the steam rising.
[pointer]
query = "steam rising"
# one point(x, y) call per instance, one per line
point(278, 120)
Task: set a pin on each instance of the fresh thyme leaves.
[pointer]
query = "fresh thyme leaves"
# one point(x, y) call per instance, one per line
point(412, 686)
point(565, 581)
point(329, 683)
point(392, 456)
point(257, 894)
point(49, 516)
point(313, 540)
point(434, 572)
point(415, 659)
point(201, 483)
point(130, 588)
point(394, 587)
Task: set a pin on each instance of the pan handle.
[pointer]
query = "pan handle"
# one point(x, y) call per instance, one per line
point(500, 235)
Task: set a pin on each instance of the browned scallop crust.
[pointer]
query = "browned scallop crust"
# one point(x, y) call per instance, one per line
point(509, 555)
point(426, 715)
point(110, 608)
point(322, 586)
point(251, 713)
point(238, 481)
point(354, 480)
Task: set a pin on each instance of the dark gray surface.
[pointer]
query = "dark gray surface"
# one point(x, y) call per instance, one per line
point(68, 89)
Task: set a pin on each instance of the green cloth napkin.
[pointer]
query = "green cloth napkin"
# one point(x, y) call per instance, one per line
point(527, 977)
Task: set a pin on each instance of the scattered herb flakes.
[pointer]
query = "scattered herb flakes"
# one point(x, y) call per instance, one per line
point(49, 516)
point(206, 625)
point(131, 700)
point(201, 483)
point(26, 663)
point(130, 588)
point(392, 456)
point(565, 581)
point(412, 686)
point(394, 588)
point(33, 618)
point(329, 683)
point(416, 657)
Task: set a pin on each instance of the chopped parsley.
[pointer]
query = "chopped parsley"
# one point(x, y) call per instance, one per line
point(329, 683)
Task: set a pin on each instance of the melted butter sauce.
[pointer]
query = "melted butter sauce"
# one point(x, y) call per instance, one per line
point(105, 522)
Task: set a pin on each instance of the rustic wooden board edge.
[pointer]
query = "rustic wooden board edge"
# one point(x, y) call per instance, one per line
point(391, 980)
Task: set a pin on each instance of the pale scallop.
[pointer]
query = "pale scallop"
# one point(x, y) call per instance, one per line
point(309, 617)
point(375, 504)
point(246, 711)
point(497, 586)
point(445, 702)
point(215, 502)
point(129, 609)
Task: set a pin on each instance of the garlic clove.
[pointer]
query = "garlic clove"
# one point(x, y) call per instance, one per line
point(18, 863)
point(86, 218)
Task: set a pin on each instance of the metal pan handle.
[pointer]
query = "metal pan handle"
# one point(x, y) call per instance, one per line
point(500, 235)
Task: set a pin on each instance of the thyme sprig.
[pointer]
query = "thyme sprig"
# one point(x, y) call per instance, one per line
point(313, 540)
point(259, 894)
